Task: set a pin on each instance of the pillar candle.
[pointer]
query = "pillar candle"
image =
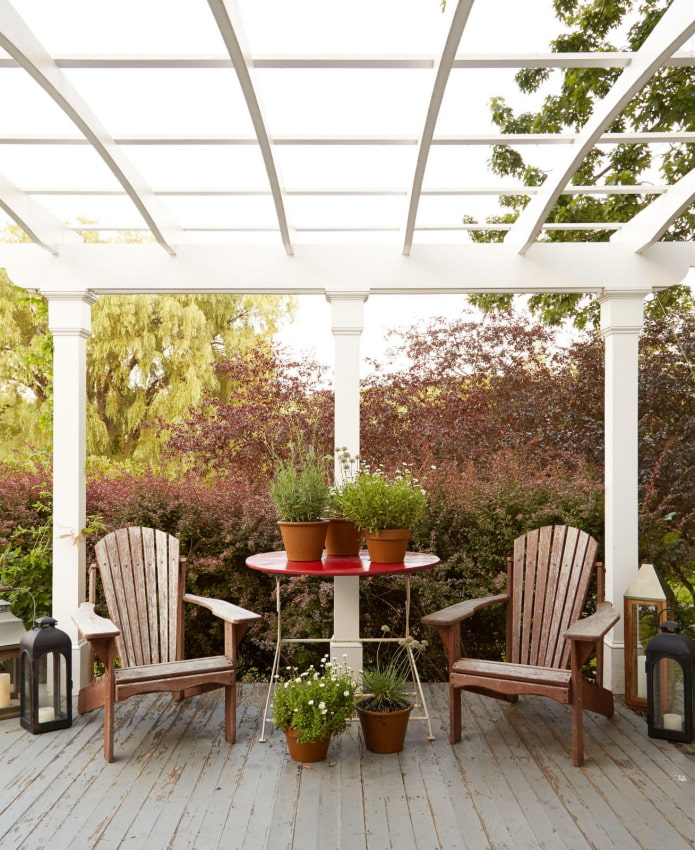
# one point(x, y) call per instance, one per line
point(673, 721)
point(642, 676)
point(46, 715)
point(4, 690)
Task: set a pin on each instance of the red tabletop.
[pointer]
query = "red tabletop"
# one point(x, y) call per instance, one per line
point(332, 565)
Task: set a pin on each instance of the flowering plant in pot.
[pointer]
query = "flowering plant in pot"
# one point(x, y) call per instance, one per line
point(385, 508)
point(384, 706)
point(344, 537)
point(299, 493)
point(313, 706)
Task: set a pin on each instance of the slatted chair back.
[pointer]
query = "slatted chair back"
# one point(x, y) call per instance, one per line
point(549, 577)
point(143, 580)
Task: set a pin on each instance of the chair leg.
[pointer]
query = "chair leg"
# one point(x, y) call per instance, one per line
point(109, 679)
point(230, 713)
point(577, 694)
point(454, 714)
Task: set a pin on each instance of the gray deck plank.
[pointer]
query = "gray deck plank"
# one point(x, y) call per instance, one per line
point(206, 809)
point(548, 819)
point(612, 782)
point(510, 783)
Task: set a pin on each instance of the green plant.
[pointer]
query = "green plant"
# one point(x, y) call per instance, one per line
point(317, 702)
point(374, 502)
point(299, 491)
point(385, 685)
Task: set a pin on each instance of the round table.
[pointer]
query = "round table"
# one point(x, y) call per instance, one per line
point(276, 563)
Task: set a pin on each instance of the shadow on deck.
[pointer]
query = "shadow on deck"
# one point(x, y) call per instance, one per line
point(509, 783)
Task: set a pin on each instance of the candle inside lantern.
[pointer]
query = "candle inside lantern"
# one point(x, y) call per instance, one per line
point(673, 721)
point(4, 690)
point(642, 676)
point(46, 715)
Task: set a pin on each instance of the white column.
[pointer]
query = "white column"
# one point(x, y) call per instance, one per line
point(347, 322)
point(69, 321)
point(621, 324)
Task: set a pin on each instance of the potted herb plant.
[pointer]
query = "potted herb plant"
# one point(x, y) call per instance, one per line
point(384, 706)
point(385, 508)
point(313, 706)
point(299, 493)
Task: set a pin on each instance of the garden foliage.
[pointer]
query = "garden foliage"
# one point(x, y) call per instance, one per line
point(504, 427)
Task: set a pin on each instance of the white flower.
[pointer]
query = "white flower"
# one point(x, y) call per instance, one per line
point(346, 693)
point(322, 705)
point(311, 702)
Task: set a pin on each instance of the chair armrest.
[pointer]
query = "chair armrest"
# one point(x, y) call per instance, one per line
point(461, 610)
point(594, 627)
point(224, 610)
point(91, 625)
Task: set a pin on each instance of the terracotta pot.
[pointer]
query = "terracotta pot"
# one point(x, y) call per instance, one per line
point(343, 538)
point(304, 541)
point(388, 546)
point(384, 731)
point(314, 751)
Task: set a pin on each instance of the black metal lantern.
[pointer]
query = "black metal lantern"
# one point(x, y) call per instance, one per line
point(45, 672)
point(11, 631)
point(670, 684)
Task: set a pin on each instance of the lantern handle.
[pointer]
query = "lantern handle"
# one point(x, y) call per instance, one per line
point(663, 611)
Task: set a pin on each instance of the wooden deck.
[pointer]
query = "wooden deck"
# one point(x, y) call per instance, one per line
point(509, 783)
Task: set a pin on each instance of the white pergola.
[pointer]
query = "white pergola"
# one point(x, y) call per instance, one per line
point(293, 146)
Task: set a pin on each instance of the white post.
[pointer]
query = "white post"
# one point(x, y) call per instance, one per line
point(347, 322)
point(622, 316)
point(69, 321)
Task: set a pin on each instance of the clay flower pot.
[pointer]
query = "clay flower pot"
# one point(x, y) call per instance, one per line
point(388, 546)
point(343, 538)
point(304, 541)
point(384, 731)
point(313, 751)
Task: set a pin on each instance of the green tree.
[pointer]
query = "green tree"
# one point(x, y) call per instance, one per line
point(667, 102)
point(149, 358)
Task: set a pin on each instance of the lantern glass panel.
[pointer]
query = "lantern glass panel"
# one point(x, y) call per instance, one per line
point(669, 695)
point(645, 621)
point(9, 678)
point(53, 688)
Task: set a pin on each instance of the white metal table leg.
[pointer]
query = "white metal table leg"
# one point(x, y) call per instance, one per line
point(276, 660)
point(413, 666)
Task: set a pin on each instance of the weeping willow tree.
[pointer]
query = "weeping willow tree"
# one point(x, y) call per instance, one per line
point(149, 358)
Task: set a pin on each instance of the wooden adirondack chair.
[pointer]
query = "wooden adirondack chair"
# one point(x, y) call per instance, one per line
point(143, 579)
point(547, 642)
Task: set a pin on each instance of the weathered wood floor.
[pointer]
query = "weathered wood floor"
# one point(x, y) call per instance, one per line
point(510, 783)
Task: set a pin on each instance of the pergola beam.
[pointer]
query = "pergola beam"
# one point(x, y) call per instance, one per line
point(676, 25)
point(606, 59)
point(654, 137)
point(377, 269)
